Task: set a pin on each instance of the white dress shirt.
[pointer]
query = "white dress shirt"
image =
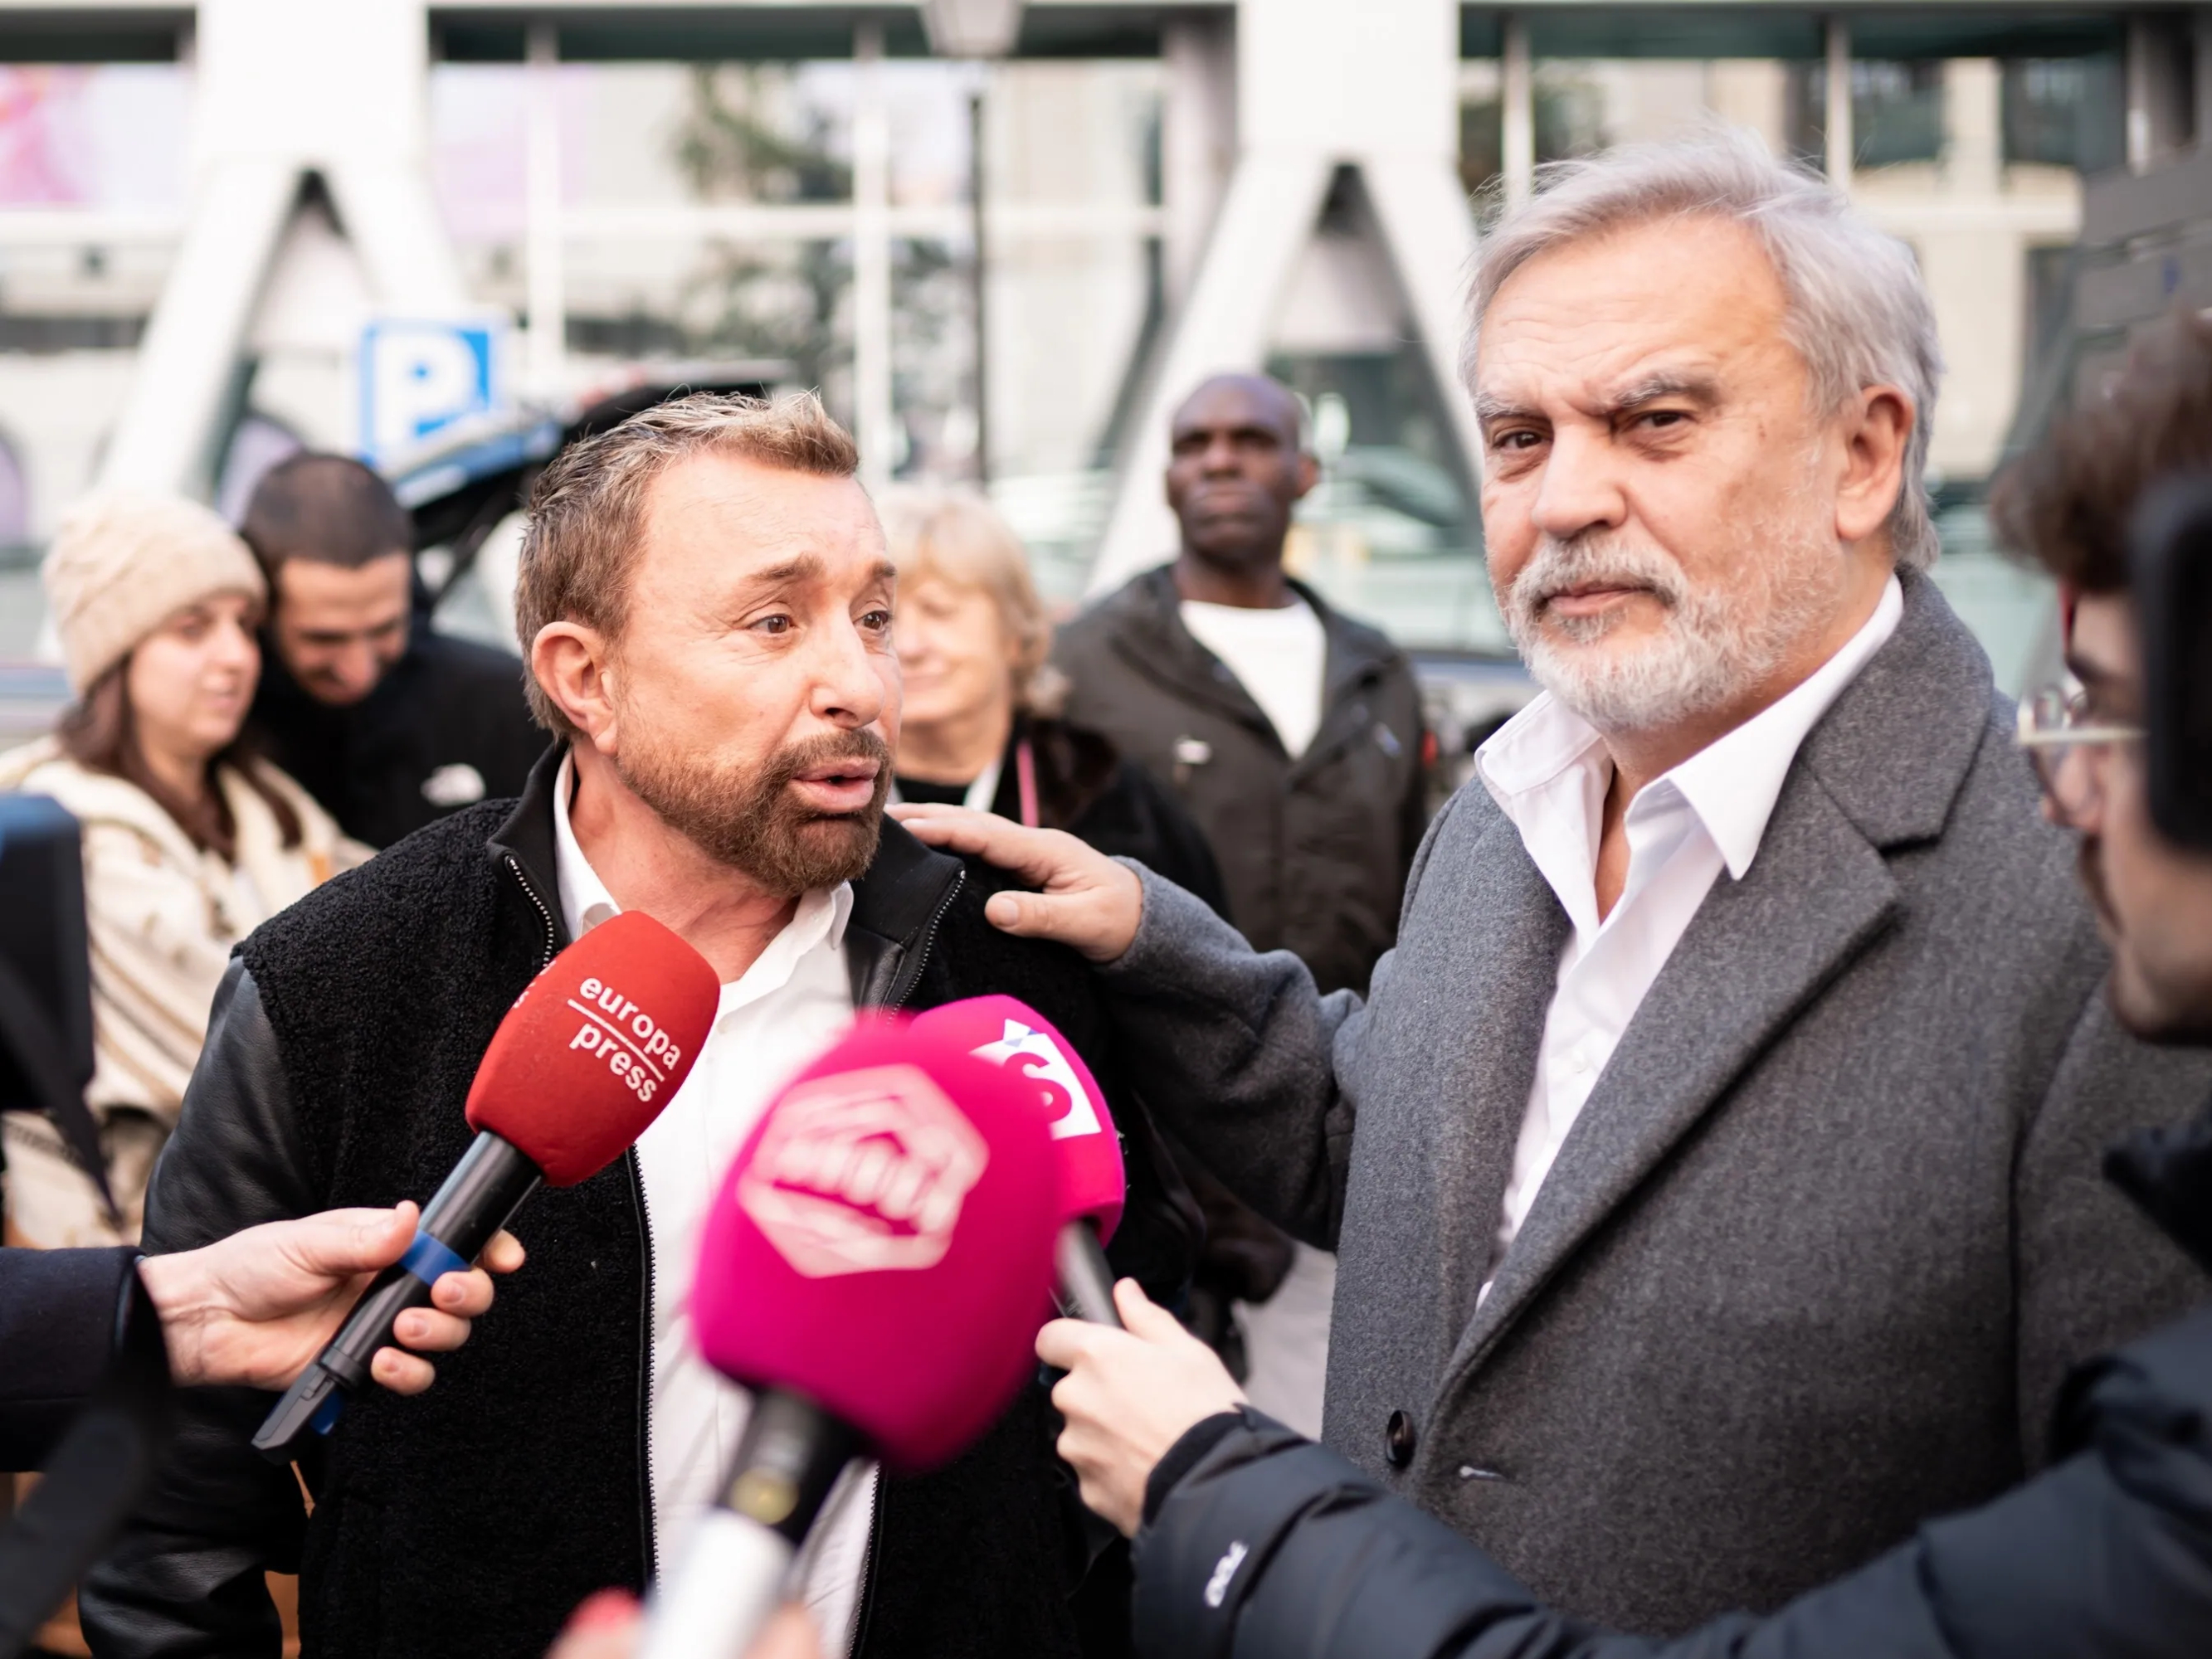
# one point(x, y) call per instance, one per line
point(1280, 655)
point(1548, 771)
point(793, 1002)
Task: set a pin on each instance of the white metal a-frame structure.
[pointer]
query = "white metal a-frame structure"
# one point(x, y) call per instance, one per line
point(1318, 84)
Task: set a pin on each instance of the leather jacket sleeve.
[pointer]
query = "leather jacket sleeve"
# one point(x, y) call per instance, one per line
point(1256, 1543)
point(186, 1577)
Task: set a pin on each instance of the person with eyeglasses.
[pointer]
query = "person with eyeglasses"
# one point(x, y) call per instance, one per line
point(1252, 1542)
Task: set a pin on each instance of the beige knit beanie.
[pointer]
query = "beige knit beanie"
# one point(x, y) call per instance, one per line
point(120, 565)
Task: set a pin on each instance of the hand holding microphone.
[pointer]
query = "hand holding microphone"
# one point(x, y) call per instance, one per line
point(255, 1308)
point(595, 1046)
point(1129, 1395)
point(1093, 1183)
point(874, 1270)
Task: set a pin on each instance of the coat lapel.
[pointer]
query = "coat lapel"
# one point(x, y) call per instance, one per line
point(1879, 772)
point(1754, 955)
point(1507, 961)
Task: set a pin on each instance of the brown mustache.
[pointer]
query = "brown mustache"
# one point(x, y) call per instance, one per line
point(842, 748)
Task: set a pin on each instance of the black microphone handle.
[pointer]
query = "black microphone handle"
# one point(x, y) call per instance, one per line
point(737, 1563)
point(1086, 1278)
point(485, 1189)
point(790, 1454)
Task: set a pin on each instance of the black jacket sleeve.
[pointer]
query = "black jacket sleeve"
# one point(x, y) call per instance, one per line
point(186, 1578)
point(58, 1312)
point(1258, 1543)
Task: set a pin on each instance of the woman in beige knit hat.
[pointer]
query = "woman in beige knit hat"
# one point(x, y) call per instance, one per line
point(189, 843)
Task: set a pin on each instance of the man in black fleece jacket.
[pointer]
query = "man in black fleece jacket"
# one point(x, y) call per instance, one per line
point(704, 592)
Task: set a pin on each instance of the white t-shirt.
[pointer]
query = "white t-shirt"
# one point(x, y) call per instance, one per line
point(1280, 656)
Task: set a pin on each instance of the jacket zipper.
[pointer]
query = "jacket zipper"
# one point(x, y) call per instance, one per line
point(864, 1604)
point(544, 915)
point(645, 1528)
point(929, 938)
point(651, 1533)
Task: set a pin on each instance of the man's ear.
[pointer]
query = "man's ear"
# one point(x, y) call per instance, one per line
point(1309, 474)
point(1874, 445)
point(573, 665)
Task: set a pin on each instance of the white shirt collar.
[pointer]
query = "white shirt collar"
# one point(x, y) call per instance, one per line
point(586, 903)
point(1731, 784)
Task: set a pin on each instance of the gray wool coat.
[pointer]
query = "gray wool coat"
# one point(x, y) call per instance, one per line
point(1818, 1252)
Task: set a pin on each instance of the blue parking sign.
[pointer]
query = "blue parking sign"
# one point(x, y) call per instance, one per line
point(419, 376)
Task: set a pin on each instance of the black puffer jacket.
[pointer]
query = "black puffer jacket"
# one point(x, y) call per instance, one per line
point(1259, 1545)
point(469, 1522)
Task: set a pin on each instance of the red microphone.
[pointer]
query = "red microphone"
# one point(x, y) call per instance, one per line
point(874, 1270)
point(1087, 1147)
point(592, 1049)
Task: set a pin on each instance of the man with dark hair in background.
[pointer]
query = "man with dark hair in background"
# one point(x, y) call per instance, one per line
point(386, 721)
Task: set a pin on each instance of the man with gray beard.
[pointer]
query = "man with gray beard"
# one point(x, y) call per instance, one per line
point(1713, 1165)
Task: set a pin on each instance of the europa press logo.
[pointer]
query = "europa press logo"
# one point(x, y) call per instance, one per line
point(862, 1172)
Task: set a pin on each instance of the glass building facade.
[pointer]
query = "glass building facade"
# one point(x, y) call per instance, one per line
point(810, 205)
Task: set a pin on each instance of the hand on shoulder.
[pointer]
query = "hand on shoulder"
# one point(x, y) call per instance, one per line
point(1084, 899)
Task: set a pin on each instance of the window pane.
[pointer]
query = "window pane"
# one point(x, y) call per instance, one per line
point(1583, 105)
point(1897, 111)
point(105, 135)
point(2064, 112)
point(1481, 129)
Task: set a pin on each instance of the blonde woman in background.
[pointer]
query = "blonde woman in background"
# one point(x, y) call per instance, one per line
point(981, 727)
point(189, 842)
point(981, 723)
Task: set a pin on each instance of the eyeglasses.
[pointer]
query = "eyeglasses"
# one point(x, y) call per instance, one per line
point(2068, 748)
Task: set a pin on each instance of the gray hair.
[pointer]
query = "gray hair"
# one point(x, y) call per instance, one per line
point(1858, 312)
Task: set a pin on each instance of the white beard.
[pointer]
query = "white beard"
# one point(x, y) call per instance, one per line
point(1717, 642)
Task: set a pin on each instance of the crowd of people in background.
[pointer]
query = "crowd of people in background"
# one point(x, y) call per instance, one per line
point(1540, 1068)
point(262, 707)
point(259, 708)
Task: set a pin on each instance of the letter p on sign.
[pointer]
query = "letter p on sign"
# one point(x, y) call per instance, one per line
point(419, 377)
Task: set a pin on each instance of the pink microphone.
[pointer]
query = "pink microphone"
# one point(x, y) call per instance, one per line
point(1092, 1182)
point(874, 1270)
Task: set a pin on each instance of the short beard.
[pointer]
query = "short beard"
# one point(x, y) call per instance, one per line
point(1716, 644)
point(747, 818)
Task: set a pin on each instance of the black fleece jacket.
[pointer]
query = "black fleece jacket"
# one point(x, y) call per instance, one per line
point(470, 1521)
